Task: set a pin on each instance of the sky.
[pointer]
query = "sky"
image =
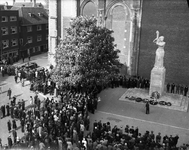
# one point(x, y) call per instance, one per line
point(10, 2)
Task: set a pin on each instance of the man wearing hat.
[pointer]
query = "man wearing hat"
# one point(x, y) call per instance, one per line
point(147, 108)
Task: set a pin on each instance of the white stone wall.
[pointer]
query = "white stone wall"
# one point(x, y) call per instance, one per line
point(68, 10)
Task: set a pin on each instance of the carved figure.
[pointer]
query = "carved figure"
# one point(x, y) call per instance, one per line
point(159, 40)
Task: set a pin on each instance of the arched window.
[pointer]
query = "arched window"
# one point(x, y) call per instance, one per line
point(90, 9)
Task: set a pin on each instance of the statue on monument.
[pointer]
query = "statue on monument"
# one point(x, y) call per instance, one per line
point(160, 51)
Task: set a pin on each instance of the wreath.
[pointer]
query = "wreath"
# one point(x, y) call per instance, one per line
point(152, 102)
point(138, 99)
point(162, 103)
point(169, 104)
point(155, 95)
point(145, 100)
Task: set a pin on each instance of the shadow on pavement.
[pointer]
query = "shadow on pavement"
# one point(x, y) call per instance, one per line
point(17, 95)
point(4, 92)
point(3, 84)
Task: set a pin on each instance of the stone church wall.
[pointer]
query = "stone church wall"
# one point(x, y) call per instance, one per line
point(170, 17)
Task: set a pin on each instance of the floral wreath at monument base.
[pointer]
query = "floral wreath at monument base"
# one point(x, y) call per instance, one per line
point(155, 95)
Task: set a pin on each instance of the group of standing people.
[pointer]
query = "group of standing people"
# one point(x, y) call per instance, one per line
point(56, 124)
point(105, 137)
point(177, 89)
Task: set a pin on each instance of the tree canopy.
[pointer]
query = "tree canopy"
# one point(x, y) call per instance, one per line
point(87, 55)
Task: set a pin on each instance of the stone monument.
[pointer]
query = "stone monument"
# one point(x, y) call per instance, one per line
point(157, 79)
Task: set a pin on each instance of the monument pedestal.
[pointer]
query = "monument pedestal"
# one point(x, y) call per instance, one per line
point(157, 80)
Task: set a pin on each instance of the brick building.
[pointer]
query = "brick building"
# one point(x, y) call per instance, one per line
point(33, 29)
point(9, 34)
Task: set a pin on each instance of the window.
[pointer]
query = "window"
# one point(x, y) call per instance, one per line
point(5, 30)
point(39, 38)
point(4, 19)
point(46, 37)
point(38, 27)
point(40, 14)
point(30, 14)
point(5, 43)
point(29, 39)
point(14, 42)
point(13, 18)
point(14, 30)
point(29, 28)
point(47, 26)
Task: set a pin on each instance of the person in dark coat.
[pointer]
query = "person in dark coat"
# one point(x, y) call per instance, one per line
point(10, 143)
point(185, 91)
point(22, 123)
point(175, 140)
point(23, 104)
point(177, 89)
point(172, 88)
point(14, 101)
point(14, 126)
point(3, 111)
point(8, 109)
point(12, 111)
point(181, 89)
point(147, 108)
point(9, 92)
point(158, 138)
point(9, 125)
point(14, 133)
point(168, 87)
point(16, 78)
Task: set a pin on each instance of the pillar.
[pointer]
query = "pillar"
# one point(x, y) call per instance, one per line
point(60, 13)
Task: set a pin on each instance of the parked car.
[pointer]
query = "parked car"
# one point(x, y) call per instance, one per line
point(31, 65)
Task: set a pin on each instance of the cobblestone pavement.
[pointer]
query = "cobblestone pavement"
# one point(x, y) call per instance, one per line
point(7, 82)
point(110, 108)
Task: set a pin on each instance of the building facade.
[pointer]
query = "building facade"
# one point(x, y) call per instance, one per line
point(121, 16)
point(9, 35)
point(134, 23)
point(33, 30)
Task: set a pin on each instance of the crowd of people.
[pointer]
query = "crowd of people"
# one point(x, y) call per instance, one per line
point(177, 89)
point(54, 124)
point(64, 123)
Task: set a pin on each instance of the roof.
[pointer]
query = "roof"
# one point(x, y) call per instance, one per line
point(5, 7)
point(27, 4)
point(38, 15)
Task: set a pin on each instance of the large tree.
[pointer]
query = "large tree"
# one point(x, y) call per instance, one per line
point(87, 55)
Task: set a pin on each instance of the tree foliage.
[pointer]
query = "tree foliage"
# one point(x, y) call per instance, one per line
point(87, 55)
